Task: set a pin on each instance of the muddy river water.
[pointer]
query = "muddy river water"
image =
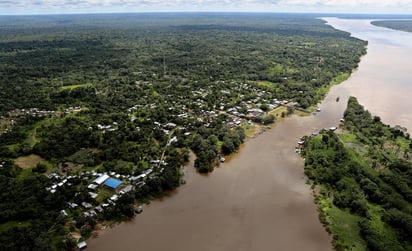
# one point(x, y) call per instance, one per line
point(259, 199)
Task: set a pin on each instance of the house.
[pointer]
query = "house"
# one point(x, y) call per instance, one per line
point(101, 179)
point(93, 195)
point(127, 189)
point(93, 186)
point(170, 125)
point(254, 114)
point(140, 183)
point(86, 205)
point(149, 171)
point(73, 205)
point(112, 183)
point(63, 213)
point(114, 198)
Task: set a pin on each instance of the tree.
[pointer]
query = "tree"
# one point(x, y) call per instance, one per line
point(264, 107)
point(227, 146)
point(268, 119)
point(40, 168)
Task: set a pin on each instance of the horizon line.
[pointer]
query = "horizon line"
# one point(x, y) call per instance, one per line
point(203, 12)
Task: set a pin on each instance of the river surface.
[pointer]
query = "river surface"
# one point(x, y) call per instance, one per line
point(383, 82)
point(259, 199)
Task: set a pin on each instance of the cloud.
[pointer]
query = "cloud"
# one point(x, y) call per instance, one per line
point(353, 3)
point(56, 6)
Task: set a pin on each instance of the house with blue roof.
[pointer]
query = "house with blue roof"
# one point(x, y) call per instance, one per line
point(112, 183)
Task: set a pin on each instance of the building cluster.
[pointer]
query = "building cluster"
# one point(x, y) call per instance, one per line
point(7, 123)
point(103, 189)
point(240, 102)
point(114, 186)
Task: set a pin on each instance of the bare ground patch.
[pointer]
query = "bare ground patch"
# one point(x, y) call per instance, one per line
point(29, 161)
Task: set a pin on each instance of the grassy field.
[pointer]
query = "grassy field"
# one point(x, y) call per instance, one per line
point(345, 225)
point(104, 194)
point(278, 112)
point(252, 130)
point(348, 138)
point(71, 87)
point(29, 161)
point(267, 84)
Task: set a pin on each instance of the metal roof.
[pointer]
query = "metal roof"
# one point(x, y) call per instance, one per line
point(113, 183)
point(101, 179)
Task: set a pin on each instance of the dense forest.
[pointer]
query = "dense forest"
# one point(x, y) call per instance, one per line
point(128, 96)
point(403, 25)
point(362, 182)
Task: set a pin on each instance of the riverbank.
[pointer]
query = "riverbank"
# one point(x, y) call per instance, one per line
point(382, 82)
point(257, 201)
point(361, 182)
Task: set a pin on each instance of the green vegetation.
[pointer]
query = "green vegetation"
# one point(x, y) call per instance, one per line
point(362, 180)
point(71, 87)
point(129, 95)
point(403, 25)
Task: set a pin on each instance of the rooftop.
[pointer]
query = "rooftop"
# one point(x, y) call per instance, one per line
point(113, 183)
point(101, 179)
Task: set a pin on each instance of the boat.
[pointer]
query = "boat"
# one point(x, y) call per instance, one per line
point(81, 245)
point(138, 209)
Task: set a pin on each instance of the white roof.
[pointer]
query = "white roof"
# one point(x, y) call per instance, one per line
point(127, 189)
point(81, 245)
point(102, 178)
point(92, 186)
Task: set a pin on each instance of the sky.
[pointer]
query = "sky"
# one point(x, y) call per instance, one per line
point(13, 7)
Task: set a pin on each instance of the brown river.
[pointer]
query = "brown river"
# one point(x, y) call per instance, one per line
point(259, 200)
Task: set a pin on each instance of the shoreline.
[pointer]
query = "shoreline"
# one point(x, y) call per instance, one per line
point(242, 166)
point(189, 169)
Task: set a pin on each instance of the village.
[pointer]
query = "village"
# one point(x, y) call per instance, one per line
point(103, 192)
point(243, 103)
point(99, 192)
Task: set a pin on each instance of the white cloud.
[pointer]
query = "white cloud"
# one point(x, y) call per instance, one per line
point(352, 3)
point(56, 6)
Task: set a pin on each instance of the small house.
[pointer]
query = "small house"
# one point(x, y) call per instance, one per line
point(127, 189)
